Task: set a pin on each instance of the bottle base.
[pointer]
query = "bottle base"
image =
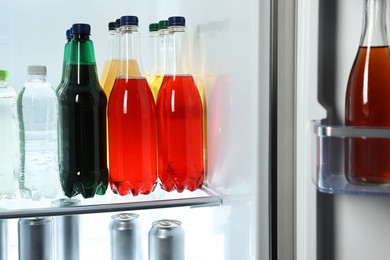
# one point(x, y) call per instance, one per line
point(369, 180)
point(7, 196)
point(124, 188)
point(171, 185)
point(37, 195)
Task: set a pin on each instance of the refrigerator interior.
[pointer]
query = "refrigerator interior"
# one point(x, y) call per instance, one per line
point(229, 56)
point(331, 226)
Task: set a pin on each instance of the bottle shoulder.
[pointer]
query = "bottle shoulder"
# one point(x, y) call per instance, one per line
point(37, 90)
point(7, 92)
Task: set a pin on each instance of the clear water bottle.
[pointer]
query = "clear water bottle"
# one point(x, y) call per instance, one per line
point(8, 139)
point(38, 116)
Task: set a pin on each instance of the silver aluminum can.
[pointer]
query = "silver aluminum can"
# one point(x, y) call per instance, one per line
point(67, 232)
point(35, 238)
point(126, 240)
point(166, 240)
point(3, 240)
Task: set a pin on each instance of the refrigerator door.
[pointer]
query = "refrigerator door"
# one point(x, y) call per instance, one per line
point(331, 226)
point(229, 43)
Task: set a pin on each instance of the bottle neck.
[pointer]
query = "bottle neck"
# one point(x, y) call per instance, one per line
point(374, 24)
point(154, 53)
point(3, 84)
point(65, 61)
point(130, 62)
point(111, 39)
point(81, 51)
point(36, 78)
point(177, 53)
point(162, 49)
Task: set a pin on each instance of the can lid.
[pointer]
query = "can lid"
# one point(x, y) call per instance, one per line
point(163, 24)
point(176, 21)
point(81, 28)
point(129, 20)
point(36, 70)
point(166, 223)
point(35, 221)
point(3, 74)
point(125, 217)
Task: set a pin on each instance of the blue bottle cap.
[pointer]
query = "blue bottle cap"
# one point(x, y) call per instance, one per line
point(112, 26)
point(69, 34)
point(176, 21)
point(81, 28)
point(129, 20)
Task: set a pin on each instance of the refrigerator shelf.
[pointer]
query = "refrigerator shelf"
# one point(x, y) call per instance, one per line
point(22, 208)
point(328, 158)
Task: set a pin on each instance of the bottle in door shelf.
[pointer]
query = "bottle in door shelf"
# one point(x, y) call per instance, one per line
point(367, 160)
point(8, 139)
point(38, 119)
point(132, 120)
point(179, 119)
point(82, 121)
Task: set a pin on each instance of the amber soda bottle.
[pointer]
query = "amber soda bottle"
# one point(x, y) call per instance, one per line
point(179, 118)
point(367, 160)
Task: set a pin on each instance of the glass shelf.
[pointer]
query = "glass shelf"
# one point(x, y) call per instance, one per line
point(328, 158)
point(21, 208)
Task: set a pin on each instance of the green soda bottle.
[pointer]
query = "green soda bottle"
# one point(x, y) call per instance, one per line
point(66, 56)
point(82, 119)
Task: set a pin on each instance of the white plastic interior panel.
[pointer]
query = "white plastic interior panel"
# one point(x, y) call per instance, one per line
point(229, 56)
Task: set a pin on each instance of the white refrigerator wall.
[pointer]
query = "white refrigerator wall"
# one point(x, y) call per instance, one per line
point(229, 55)
point(339, 227)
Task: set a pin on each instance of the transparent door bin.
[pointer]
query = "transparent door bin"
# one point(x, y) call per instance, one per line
point(21, 208)
point(328, 160)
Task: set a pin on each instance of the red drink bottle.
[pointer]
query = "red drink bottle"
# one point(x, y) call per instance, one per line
point(367, 160)
point(179, 119)
point(131, 120)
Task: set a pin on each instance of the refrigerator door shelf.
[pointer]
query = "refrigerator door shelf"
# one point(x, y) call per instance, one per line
point(22, 208)
point(328, 160)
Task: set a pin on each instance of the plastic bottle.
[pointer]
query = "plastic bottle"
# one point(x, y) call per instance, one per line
point(112, 31)
point(367, 160)
point(9, 154)
point(65, 59)
point(152, 71)
point(82, 120)
point(132, 120)
point(158, 41)
point(38, 118)
point(112, 64)
point(179, 118)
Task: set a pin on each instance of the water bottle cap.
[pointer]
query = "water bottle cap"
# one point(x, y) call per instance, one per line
point(163, 24)
point(112, 26)
point(176, 21)
point(81, 28)
point(153, 27)
point(69, 34)
point(129, 20)
point(36, 70)
point(3, 74)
